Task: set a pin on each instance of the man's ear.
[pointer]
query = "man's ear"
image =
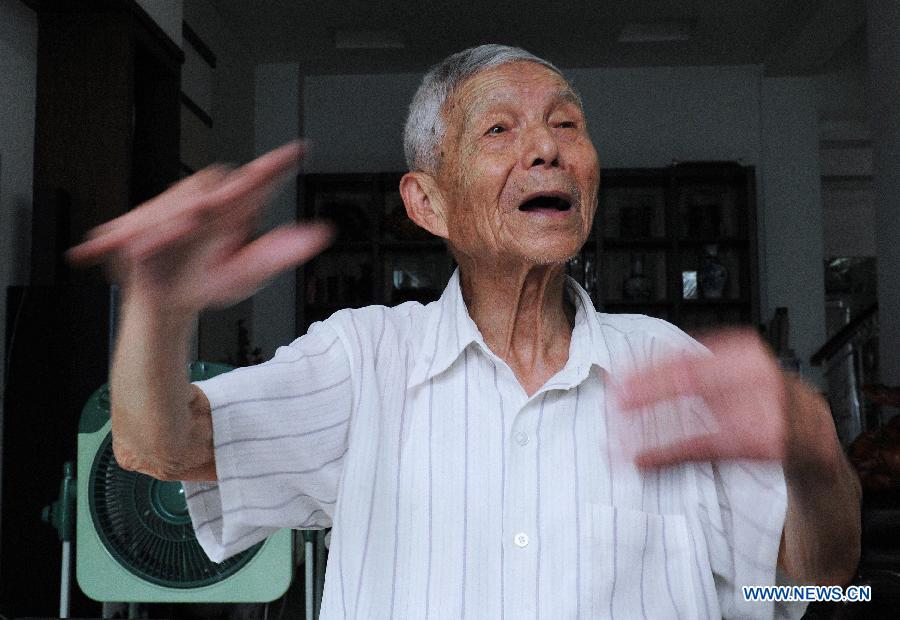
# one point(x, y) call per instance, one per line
point(424, 202)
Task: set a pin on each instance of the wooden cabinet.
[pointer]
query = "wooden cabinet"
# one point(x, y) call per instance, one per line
point(106, 124)
point(661, 222)
point(106, 138)
point(379, 256)
point(688, 231)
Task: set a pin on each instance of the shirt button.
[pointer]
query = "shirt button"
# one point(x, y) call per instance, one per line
point(521, 438)
point(521, 539)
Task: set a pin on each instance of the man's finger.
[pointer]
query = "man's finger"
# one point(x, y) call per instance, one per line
point(111, 236)
point(263, 174)
point(696, 375)
point(173, 201)
point(168, 234)
point(86, 254)
point(678, 377)
point(279, 250)
point(701, 448)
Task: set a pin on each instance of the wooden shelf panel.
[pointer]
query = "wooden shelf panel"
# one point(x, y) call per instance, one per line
point(701, 303)
point(397, 246)
point(425, 244)
point(624, 243)
point(685, 303)
point(720, 241)
point(352, 246)
point(636, 303)
point(665, 193)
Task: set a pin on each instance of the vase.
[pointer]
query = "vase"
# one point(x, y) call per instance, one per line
point(712, 275)
point(637, 287)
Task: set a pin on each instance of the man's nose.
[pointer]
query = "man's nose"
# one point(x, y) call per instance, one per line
point(540, 148)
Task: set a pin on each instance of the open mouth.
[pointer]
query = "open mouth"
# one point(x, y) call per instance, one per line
point(556, 204)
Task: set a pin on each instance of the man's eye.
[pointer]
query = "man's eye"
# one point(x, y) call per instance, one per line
point(495, 130)
point(567, 125)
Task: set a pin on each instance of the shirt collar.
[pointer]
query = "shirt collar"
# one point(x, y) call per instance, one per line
point(449, 330)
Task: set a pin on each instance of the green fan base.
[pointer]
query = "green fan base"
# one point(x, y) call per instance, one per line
point(260, 574)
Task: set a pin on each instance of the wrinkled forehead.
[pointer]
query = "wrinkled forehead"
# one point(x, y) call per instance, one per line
point(505, 83)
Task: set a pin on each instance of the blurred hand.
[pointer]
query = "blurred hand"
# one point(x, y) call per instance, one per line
point(744, 389)
point(192, 246)
point(760, 412)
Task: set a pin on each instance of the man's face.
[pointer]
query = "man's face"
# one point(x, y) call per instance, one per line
point(518, 169)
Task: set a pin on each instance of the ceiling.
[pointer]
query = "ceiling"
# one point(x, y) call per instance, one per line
point(794, 37)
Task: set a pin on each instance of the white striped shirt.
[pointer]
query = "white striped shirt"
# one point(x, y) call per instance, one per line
point(453, 494)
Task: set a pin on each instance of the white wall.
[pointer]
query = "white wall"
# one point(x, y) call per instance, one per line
point(166, 13)
point(18, 75)
point(791, 231)
point(846, 151)
point(883, 40)
point(233, 83)
point(849, 225)
point(648, 117)
point(18, 71)
point(843, 94)
point(230, 140)
point(637, 117)
point(355, 122)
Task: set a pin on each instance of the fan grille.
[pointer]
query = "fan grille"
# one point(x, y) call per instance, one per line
point(144, 525)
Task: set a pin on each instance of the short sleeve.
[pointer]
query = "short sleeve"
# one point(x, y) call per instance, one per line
point(280, 435)
point(742, 504)
point(744, 510)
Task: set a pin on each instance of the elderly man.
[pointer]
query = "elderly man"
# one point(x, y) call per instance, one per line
point(505, 451)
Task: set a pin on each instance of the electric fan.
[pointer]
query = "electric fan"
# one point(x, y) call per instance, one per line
point(134, 537)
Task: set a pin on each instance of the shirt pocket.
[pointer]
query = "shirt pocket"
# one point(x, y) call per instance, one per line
point(640, 564)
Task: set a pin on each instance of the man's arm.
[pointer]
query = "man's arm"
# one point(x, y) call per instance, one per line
point(821, 539)
point(161, 424)
point(764, 414)
point(192, 247)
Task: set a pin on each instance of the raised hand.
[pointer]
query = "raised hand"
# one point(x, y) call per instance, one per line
point(192, 246)
point(743, 388)
point(759, 412)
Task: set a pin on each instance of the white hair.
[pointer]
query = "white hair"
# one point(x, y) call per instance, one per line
point(425, 128)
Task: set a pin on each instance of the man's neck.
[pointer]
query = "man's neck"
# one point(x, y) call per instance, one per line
point(523, 315)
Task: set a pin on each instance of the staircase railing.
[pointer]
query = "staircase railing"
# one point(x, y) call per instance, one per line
point(849, 360)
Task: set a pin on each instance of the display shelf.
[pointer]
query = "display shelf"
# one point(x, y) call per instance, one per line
point(434, 244)
point(637, 303)
point(664, 218)
point(699, 303)
point(636, 242)
point(351, 246)
point(379, 257)
point(721, 241)
point(670, 222)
